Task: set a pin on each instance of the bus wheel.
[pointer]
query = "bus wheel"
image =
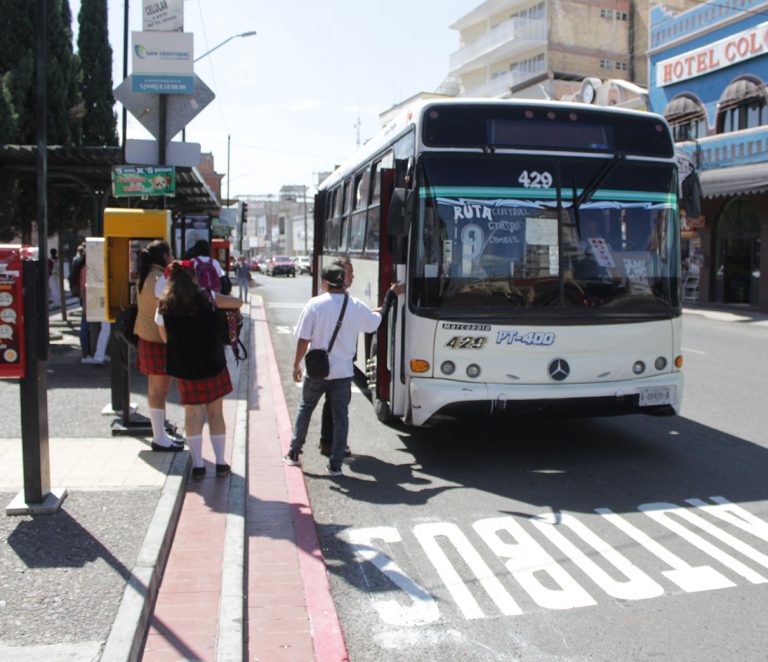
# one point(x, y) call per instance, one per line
point(381, 407)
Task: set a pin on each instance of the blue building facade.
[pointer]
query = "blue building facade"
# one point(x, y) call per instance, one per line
point(707, 72)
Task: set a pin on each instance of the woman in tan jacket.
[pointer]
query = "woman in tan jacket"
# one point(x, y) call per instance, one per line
point(151, 351)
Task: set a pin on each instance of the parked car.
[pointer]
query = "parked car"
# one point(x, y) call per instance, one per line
point(255, 265)
point(281, 264)
point(303, 264)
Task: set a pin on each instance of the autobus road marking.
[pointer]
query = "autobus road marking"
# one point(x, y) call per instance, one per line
point(588, 570)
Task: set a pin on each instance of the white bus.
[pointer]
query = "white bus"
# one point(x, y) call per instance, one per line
point(539, 245)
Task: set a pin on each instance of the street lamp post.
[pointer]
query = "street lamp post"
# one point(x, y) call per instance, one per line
point(250, 33)
point(227, 40)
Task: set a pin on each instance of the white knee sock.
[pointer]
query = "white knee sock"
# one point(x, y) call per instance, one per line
point(195, 445)
point(157, 419)
point(219, 442)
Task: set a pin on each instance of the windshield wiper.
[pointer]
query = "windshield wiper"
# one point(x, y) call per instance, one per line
point(589, 191)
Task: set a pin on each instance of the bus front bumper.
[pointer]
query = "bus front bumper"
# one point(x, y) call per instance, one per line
point(430, 398)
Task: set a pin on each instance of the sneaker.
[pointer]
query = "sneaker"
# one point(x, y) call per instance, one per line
point(291, 458)
point(89, 360)
point(334, 469)
point(222, 470)
point(198, 473)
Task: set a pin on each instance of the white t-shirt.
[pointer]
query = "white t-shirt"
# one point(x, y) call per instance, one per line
point(205, 259)
point(318, 320)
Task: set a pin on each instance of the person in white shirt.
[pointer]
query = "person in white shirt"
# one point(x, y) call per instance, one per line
point(315, 328)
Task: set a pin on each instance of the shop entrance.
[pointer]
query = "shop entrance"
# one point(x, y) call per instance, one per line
point(737, 254)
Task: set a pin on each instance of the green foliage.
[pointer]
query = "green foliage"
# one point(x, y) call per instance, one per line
point(8, 117)
point(100, 121)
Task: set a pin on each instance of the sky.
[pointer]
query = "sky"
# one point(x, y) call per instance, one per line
point(289, 98)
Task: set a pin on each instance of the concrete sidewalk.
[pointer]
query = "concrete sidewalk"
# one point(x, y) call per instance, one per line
point(139, 563)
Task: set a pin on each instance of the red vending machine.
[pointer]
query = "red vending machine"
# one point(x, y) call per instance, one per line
point(12, 358)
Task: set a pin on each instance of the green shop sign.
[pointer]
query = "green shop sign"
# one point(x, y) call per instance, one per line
point(143, 180)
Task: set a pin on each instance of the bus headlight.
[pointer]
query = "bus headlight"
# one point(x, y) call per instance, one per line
point(447, 367)
point(638, 368)
point(660, 363)
point(473, 371)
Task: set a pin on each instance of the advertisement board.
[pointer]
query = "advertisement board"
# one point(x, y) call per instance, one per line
point(139, 181)
point(12, 358)
point(163, 63)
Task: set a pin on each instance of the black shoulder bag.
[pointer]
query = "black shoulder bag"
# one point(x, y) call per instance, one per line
point(316, 360)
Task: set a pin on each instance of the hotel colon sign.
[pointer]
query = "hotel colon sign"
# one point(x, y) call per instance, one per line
point(708, 68)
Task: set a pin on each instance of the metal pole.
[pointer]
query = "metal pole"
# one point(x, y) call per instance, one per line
point(229, 173)
point(162, 132)
point(306, 249)
point(125, 69)
point(34, 386)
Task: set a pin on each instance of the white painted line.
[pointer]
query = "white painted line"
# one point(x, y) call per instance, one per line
point(693, 351)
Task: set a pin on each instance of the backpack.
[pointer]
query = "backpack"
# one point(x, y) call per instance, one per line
point(207, 276)
point(231, 322)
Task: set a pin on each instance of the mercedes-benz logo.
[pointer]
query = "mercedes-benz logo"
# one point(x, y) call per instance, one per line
point(559, 369)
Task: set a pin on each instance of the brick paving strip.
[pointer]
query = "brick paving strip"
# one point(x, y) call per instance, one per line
point(254, 532)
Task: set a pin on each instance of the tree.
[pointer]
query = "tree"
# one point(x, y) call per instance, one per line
point(100, 120)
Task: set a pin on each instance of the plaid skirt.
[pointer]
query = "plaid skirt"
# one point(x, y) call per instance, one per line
point(150, 359)
point(203, 391)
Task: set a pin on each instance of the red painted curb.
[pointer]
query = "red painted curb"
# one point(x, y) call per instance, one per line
point(327, 637)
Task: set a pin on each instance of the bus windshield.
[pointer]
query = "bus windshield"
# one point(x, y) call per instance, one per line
point(507, 235)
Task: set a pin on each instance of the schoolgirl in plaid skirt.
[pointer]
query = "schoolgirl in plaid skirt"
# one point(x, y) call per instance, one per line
point(187, 319)
point(150, 359)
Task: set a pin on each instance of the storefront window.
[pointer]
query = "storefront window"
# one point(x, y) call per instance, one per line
point(737, 254)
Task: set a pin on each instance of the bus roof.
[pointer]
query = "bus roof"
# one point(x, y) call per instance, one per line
point(413, 113)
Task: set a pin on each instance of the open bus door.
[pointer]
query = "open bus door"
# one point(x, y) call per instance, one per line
point(385, 367)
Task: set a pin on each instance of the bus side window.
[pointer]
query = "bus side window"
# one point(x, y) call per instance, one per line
point(344, 221)
point(328, 218)
point(357, 222)
point(374, 211)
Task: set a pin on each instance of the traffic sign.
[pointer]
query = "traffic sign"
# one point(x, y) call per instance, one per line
point(181, 109)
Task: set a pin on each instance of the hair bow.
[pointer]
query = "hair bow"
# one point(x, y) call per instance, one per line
point(179, 265)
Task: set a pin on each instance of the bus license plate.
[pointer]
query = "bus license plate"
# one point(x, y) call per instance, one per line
point(656, 395)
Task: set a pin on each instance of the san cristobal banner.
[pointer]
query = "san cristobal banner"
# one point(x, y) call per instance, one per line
point(139, 181)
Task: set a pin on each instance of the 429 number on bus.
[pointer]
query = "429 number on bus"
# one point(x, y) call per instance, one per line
point(534, 179)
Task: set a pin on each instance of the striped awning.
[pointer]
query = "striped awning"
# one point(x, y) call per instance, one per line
point(683, 106)
point(741, 90)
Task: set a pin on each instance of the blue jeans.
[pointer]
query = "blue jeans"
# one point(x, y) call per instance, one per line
point(85, 338)
point(242, 284)
point(338, 393)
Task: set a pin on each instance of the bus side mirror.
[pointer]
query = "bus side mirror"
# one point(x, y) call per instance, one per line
point(400, 212)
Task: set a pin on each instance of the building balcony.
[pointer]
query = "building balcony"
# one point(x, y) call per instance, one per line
point(500, 85)
point(507, 39)
point(724, 150)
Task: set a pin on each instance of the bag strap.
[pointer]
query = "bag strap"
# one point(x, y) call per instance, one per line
point(338, 323)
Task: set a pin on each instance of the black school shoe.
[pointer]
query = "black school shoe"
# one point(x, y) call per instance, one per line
point(198, 473)
point(173, 448)
point(222, 470)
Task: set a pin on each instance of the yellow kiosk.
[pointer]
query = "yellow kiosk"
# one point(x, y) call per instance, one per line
point(126, 232)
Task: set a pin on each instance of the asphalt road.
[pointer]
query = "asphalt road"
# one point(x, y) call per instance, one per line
point(542, 539)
